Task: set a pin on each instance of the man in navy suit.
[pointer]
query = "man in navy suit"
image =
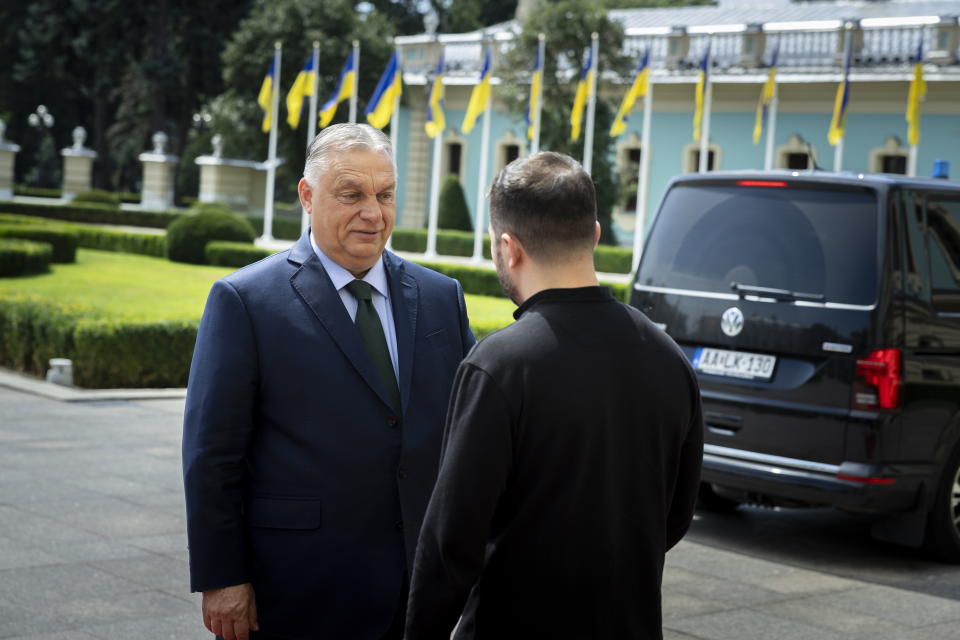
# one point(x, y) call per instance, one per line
point(314, 413)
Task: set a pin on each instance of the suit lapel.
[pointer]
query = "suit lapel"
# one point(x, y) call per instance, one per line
point(405, 300)
point(315, 288)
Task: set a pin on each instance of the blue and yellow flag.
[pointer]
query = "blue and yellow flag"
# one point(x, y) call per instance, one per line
point(641, 83)
point(436, 120)
point(265, 98)
point(344, 91)
point(918, 89)
point(536, 88)
point(380, 108)
point(583, 94)
point(302, 87)
point(766, 96)
point(702, 79)
point(839, 120)
point(479, 97)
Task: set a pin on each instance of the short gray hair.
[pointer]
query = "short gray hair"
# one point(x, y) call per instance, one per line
point(343, 137)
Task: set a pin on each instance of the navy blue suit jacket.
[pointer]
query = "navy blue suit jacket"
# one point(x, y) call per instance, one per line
point(299, 477)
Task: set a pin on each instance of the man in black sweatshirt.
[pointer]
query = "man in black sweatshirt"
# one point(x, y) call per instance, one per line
point(572, 447)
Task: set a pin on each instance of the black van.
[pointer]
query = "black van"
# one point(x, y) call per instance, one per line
point(822, 314)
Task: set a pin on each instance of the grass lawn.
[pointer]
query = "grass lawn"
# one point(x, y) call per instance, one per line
point(134, 287)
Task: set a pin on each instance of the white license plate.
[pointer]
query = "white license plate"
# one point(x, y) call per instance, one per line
point(735, 364)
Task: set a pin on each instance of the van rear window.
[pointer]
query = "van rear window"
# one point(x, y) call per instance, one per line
point(812, 241)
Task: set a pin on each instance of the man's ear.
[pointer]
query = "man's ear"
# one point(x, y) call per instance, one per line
point(512, 249)
point(306, 194)
point(596, 239)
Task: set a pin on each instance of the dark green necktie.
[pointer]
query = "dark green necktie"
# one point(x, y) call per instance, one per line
point(371, 332)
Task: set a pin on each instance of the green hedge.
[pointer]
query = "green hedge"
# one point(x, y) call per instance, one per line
point(93, 213)
point(105, 353)
point(36, 192)
point(233, 254)
point(148, 244)
point(484, 282)
point(449, 243)
point(23, 258)
point(607, 259)
point(283, 228)
point(98, 196)
point(188, 237)
point(104, 239)
point(63, 241)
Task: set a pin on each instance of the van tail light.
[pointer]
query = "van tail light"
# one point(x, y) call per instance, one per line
point(881, 370)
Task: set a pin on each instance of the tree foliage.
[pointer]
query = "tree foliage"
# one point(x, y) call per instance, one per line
point(122, 70)
point(569, 24)
point(246, 57)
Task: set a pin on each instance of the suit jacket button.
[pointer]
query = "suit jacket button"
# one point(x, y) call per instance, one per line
point(391, 422)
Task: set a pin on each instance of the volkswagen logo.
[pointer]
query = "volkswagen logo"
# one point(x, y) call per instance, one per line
point(731, 322)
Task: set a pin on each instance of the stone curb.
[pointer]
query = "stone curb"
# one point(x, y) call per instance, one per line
point(26, 384)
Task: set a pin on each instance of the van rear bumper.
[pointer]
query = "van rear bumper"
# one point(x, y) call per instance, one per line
point(850, 485)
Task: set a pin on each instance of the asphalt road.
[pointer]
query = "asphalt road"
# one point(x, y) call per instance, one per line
point(827, 541)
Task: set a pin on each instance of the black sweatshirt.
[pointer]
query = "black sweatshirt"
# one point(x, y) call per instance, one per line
point(570, 464)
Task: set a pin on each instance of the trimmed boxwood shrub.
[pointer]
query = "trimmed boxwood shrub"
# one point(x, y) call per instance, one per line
point(233, 254)
point(36, 192)
point(99, 196)
point(147, 244)
point(22, 257)
point(93, 213)
point(453, 210)
point(105, 353)
point(187, 237)
point(283, 228)
point(484, 282)
point(63, 240)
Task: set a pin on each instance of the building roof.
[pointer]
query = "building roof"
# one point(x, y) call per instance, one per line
point(808, 35)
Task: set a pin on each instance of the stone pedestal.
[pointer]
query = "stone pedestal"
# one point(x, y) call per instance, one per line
point(8, 152)
point(239, 184)
point(77, 166)
point(158, 175)
point(158, 180)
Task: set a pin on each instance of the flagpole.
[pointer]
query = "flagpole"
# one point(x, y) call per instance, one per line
point(771, 128)
point(395, 133)
point(535, 143)
point(482, 179)
point(434, 198)
point(356, 81)
point(847, 47)
point(312, 116)
point(592, 103)
point(643, 179)
point(912, 161)
point(272, 157)
point(704, 164)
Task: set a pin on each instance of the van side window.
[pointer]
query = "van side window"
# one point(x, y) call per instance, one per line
point(943, 243)
point(917, 282)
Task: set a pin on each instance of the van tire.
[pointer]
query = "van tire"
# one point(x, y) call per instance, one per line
point(943, 525)
point(710, 500)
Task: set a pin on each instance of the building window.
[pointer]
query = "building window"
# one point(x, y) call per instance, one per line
point(798, 161)
point(508, 148)
point(890, 158)
point(796, 154)
point(510, 153)
point(691, 157)
point(454, 157)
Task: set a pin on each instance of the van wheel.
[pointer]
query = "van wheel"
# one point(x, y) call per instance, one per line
point(943, 526)
point(709, 500)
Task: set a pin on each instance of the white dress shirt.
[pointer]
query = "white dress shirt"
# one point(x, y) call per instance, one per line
point(376, 278)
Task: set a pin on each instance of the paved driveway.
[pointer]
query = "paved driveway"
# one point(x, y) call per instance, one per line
point(92, 545)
